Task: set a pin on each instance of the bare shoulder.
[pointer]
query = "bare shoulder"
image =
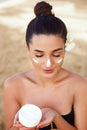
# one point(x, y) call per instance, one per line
point(80, 81)
point(79, 84)
point(77, 81)
point(12, 80)
point(15, 80)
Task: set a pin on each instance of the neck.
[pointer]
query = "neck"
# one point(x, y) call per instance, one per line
point(44, 81)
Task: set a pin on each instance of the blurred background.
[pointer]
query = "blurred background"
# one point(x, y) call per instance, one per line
point(14, 17)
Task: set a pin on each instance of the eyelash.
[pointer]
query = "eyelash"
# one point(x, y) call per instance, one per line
point(56, 55)
point(52, 55)
point(38, 55)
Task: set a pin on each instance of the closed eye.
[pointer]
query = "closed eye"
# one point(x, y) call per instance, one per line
point(38, 55)
point(56, 55)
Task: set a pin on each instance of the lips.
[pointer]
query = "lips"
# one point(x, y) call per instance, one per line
point(48, 71)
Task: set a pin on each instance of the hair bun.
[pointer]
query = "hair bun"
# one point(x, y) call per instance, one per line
point(43, 8)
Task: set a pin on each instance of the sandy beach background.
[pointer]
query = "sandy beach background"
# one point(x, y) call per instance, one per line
point(14, 17)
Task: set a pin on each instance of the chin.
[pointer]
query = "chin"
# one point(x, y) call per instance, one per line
point(49, 75)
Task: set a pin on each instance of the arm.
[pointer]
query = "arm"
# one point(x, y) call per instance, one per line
point(49, 115)
point(10, 103)
point(80, 109)
point(62, 124)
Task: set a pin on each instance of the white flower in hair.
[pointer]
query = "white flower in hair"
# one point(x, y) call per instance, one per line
point(69, 45)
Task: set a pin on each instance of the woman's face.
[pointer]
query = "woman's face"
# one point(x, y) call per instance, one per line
point(47, 53)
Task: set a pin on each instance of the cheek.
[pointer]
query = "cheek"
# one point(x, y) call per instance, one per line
point(59, 60)
point(35, 60)
point(36, 63)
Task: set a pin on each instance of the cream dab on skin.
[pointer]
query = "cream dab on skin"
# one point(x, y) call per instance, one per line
point(59, 61)
point(36, 61)
point(48, 63)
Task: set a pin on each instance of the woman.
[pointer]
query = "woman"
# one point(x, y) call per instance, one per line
point(59, 93)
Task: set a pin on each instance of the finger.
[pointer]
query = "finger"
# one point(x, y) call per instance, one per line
point(43, 124)
point(23, 128)
point(20, 126)
point(17, 125)
point(16, 117)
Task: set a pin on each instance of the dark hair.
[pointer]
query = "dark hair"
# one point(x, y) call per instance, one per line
point(45, 23)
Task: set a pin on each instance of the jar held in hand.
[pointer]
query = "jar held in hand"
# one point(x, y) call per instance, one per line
point(30, 115)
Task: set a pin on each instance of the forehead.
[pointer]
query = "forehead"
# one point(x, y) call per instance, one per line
point(46, 42)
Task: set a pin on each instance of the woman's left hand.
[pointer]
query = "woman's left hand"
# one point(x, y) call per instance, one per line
point(48, 116)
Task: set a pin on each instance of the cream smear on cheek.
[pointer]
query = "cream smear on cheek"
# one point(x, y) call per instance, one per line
point(48, 62)
point(36, 61)
point(59, 61)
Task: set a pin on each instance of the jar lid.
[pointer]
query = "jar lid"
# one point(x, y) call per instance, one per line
point(30, 115)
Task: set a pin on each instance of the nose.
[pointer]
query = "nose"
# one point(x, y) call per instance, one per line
point(48, 62)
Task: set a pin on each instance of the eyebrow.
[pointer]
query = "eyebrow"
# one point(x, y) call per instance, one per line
point(38, 50)
point(58, 49)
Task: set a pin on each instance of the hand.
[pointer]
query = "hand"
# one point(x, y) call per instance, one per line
point(17, 124)
point(48, 115)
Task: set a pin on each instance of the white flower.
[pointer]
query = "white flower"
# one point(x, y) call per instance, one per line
point(69, 45)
